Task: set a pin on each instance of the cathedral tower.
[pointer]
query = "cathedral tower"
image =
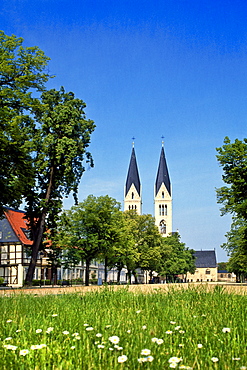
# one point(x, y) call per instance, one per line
point(132, 192)
point(163, 197)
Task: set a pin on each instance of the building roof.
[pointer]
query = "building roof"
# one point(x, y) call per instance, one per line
point(205, 259)
point(14, 227)
point(162, 174)
point(133, 174)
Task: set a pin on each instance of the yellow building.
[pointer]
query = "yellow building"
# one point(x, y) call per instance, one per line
point(206, 267)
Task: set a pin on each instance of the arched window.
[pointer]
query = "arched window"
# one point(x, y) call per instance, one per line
point(129, 208)
point(162, 227)
point(163, 195)
point(132, 195)
point(165, 209)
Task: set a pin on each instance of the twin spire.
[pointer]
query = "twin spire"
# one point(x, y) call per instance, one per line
point(134, 178)
point(162, 192)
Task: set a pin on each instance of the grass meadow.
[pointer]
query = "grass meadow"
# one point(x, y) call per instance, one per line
point(180, 328)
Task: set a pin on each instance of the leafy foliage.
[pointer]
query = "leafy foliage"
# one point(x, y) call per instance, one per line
point(233, 158)
point(90, 229)
point(22, 72)
point(177, 258)
point(62, 135)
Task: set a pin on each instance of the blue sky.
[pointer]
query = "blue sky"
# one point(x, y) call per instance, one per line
point(149, 69)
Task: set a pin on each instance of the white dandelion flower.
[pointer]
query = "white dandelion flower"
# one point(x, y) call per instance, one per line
point(38, 331)
point(122, 359)
point(159, 341)
point(23, 352)
point(145, 352)
point(214, 359)
point(114, 339)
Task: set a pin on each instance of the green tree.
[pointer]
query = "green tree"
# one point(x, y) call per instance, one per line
point(90, 229)
point(177, 258)
point(233, 159)
point(222, 266)
point(124, 252)
point(146, 246)
point(232, 156)
point(236, 247)
point(22, 72)
point(61, 138)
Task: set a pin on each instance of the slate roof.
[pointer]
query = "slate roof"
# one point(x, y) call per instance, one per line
point(162, 174)
point(205, 259)
point(13, 227)
point(133, 175)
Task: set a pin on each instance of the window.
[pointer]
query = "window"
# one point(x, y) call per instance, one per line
point(161, 210)
point(165, 209)
point(132, 195)
point(207, 272)
point(162, 227)
point(163, 195)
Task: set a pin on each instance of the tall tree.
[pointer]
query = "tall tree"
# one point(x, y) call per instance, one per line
point(22, 72)
point(91, 227)
point(61, 138)
point(236, 247)
point(233, 159)
point(147, 243)
point(177, 258)
point(232, 156)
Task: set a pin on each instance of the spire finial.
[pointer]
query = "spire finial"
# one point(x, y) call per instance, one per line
point(162, 137)
point(133, 142)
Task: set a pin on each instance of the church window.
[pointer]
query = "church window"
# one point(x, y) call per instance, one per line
point(162, 227)
point(165, 209)
point(132, 195)
point(163, 195)
point(129, 207)
point(161, 210)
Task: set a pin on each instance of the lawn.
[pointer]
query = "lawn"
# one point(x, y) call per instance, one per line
point(108, 329)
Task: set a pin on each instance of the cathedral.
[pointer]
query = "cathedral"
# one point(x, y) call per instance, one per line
point(162, 193)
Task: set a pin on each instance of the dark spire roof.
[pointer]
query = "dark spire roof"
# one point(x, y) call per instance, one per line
point(133, 175)
point(162, 175)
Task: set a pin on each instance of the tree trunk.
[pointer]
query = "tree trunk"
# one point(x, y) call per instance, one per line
point(87, 272)
point(129, 276)
point(119, 274)
point(105, 270)
point(39, 233)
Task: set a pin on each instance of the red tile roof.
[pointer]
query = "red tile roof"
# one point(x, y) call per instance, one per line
point(18, 222)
